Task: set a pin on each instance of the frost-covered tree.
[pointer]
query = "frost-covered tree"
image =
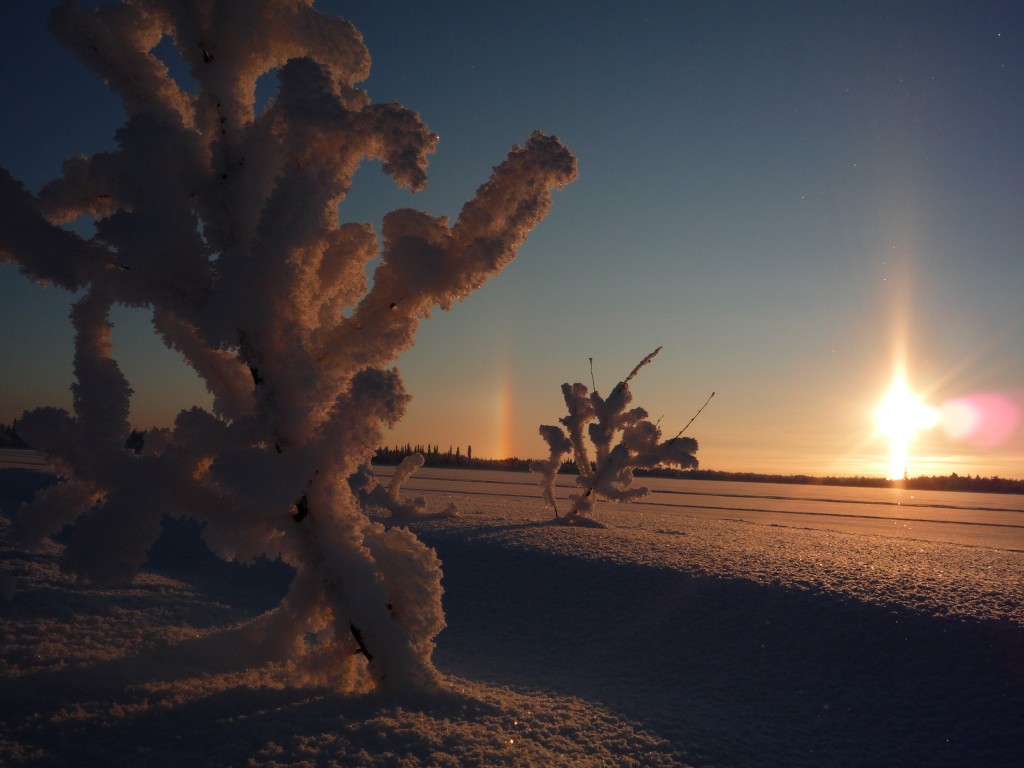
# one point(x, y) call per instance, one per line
point(225, 223)
point(610, 475)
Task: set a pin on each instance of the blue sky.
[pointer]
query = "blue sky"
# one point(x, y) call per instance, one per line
point(790, 198)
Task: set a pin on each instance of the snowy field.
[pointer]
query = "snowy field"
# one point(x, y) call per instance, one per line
point(715, 624)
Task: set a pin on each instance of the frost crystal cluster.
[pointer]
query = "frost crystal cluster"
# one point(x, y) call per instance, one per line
point(225, 223)
point(610, 475)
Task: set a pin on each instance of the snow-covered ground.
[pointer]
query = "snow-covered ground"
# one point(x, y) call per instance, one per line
point(675, 636)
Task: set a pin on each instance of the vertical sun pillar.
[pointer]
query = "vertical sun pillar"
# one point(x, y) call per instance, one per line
point(503, 418)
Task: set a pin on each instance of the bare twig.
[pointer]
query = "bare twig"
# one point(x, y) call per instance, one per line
point(678, 434)
point(357, 635)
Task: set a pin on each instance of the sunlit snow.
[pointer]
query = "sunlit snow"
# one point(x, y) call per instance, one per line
point(686, 632)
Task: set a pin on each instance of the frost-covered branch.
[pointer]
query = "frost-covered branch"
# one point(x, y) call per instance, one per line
point(558, 445)
point(372, 494)
point(225, 224)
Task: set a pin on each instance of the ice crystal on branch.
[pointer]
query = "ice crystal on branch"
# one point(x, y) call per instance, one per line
point(225, 224)
point(610, 475)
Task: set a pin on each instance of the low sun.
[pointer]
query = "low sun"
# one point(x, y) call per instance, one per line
point(899, 416)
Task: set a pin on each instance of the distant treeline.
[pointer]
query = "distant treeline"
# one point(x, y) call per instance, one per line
point(454, 457)
point(9, 437)
point(434, 457)
point(952, 482)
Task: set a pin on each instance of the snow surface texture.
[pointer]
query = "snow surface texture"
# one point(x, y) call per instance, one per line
point(224, 222)
point(663, 639)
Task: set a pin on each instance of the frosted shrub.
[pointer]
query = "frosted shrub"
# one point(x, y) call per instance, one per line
point(372, 494)
point(225, 224)
point(610, 475)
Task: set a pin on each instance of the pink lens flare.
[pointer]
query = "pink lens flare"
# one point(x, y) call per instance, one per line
point(986, 419)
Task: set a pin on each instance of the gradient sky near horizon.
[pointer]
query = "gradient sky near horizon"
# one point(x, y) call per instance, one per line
point(795, 199)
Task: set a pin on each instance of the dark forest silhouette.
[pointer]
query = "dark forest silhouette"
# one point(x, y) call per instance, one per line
point(9, 437)
point(454, 457)
point(435, 457)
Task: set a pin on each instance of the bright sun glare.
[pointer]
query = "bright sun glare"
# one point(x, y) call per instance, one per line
point(899, 416)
